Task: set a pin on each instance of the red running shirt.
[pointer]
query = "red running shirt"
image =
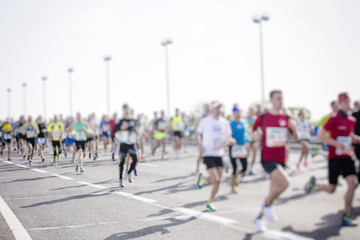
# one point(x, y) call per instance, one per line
point(340, 128)
point(112, 126)
point(275, 135)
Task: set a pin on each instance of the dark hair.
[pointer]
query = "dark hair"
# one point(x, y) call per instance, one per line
point(301, 111)
point(125, 106)
point(332, 103)
point(273, 92)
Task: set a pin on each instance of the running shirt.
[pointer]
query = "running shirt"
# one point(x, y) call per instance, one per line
point(304, 130)
point(177, 123)
point(340, 125)
point(30, 130)
point(127, 131)
point(112, 125)
point(160, 125)
point(238, 132)
point(105, 128)
point(56, 130)
point(95, 127)
point(275, 134)
point(42, 134)
point(249, 125)
point(214, 133)
point(6, 131)
point(80, 130)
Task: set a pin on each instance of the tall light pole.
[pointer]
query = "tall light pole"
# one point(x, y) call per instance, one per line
point(24, 95)
point(9, 105)
point(70, 70)
point(258, 20)
point(44, 96)
point(107, 59)
point(165, 43)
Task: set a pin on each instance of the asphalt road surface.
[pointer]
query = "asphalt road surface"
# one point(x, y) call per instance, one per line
point(46, 202)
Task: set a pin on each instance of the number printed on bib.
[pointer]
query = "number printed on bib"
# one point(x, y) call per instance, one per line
point(41, 140)
point(238, 151)
point(276, 137)
point(30, 134)
point(162, 125)
point(80, 136)
point(348, 147)
point(219, 143)
point(56, 134)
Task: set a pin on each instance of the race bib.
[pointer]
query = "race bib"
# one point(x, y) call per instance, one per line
point(56, 134)
point(348, 146)
point(162, 125)
point(276, 137)
point(219, 143)
point(122, 136)
point(7, 136)
point(238, 151)
point(178, 126)
point(80, 136)
point(41, 141)
point(30, 134)
point(132, 138)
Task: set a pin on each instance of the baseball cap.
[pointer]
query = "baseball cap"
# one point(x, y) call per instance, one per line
point(342, 97)
point(215, 104)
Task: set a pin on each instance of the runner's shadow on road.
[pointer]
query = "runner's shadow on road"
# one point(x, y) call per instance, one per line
point(163, 229)
point(29, 179)
point(170, 189)
point(283, 200)
point(329, 226)
point(174, 178)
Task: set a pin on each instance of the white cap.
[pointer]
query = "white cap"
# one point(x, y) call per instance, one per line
point(215, 104)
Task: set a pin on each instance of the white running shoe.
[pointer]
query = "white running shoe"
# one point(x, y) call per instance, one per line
point(129, 178)
point(121, 183)
point(269, 213)
point(260, 225)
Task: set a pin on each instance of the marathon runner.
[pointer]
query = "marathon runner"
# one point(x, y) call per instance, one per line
point(112, 124)
point(160, 127)
point(69, 140)
point(5, 137)
point(95, 134)
point(20, 138)
point(216, 134)
point(253, 144)
point(30, 130)
point(126, 135)
point(274, 126)
point(341, 128)
point(304, 129)
point(41, 137)
point(206, 114)
point(55, 130)
point(177, 126)
point(105, 131)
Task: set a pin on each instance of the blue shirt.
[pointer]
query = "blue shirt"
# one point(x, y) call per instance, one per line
point(238, 130)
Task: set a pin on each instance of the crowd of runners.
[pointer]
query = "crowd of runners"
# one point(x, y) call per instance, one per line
point(240, 135)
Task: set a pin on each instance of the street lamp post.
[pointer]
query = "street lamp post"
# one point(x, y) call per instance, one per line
point(9, 109)
point(24, 95)
point(44, 96)
point(70, 70)
point(107, 59)
point(258, 20)
point(165, 43)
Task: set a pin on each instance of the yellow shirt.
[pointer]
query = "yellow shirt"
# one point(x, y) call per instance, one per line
point(56, 130)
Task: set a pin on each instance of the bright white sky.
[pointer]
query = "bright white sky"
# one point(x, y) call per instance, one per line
point(311, 51)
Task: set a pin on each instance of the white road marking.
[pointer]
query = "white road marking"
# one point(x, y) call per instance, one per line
point(8, 162)
point(62, 177)
point(13, 222)
point(148, 165)
point(39, 170)
point(205, 216)
point(132, 196)
point(284, 235)
point(93, 185)
point(23, 166)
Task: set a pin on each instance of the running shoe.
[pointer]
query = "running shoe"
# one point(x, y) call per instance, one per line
point(260, 225)
point(200, 181)
point(121, 183)
point(76, 167)
point(346, 221)
point(113, 156)
point(269, 213)
point(55, 164)
point(58, 158)
point(30, 162)
point(43, 159)
point(65, 153)
point(128, 176)
point(28, 157)
point(82, 169)
point(90, 155)
point(315, 152)
point(210, 207)
point(163, 158)
point(96, 155)
point(72, 160)
point(135, 172)
point(142, 158)
point(9, 159)
point(310, 185)
point(234, 189)
point(251, 173)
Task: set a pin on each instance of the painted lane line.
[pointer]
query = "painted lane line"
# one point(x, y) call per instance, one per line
point(132, 196)
point(148, 165)
point(8, 162)
point(284, 235)
point(39, 170)
point(205, 216)
point(92, 185)
point(61, 176)
point(23, 166)
point(13, 222)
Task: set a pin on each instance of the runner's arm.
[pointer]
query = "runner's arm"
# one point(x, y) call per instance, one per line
point(332, 142)
point(293, 128)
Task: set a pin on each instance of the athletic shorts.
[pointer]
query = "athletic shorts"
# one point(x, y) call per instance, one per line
point(113, 138)
point(270, 166)
point(80, 145)
point(56, 144)
point(235, 161)
point(159, 135)
point(69, 142)
point(90, 139)
point(31, 141)
point(105, 134)
point(125, 149)
point(178, 134)
point(340, 166)
point(20, 136)
point(41, 141)
point(212, 162)
point(5, 140)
